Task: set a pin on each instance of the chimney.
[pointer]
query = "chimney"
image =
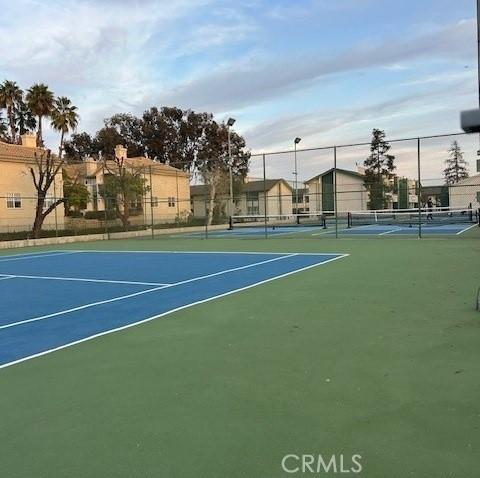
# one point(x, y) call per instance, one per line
point(29, 140)
point(120, 152)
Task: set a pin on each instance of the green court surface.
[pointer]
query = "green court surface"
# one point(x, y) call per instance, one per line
point(377, 354)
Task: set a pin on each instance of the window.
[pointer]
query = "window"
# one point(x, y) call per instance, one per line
point(478, 196)
point(91, 184)
point(154, 201)
point(171, 202)
point(14, 201)
point(49, 200)
point(252, 203)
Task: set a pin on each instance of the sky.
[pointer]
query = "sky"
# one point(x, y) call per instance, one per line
point(324, 70)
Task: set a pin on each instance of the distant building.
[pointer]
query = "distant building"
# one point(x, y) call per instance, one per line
point(438, 195)
point(301, 204)
point(249, 201)
point(18, 196)
point(168, 196)
point(351, 192)
point(404, 193)
point(465, 193)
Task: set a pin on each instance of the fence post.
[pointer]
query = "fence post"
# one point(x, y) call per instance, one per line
point(206, 217)
point(54, 201)
point(335, 201)
point(419, 191)
point(178, 199)
point(151, 203)
point(265, 197)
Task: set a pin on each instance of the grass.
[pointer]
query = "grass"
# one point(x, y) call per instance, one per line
point(376, 354)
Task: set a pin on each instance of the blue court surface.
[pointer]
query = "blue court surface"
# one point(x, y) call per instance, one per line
point(369, 230)
point(390, 230)
point(56, 299)
point(259, 231)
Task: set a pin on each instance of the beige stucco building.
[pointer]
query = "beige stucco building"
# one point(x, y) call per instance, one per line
point(465, 193)
point(351, 192)
point(250, 200)
point(168, 195)
point(17, 191)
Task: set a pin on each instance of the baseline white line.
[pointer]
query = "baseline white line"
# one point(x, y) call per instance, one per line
point(168, 312)
point(467, 229)
point(75, 279)
point(5, 277)
point(40, 256)
point(212, 252)
point(26, 254)
point(135, 294)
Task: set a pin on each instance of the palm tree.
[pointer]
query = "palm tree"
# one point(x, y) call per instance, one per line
point(24, 119)
point(64, 119)
point(40, 102)
point(3, 129)
point(10, 94)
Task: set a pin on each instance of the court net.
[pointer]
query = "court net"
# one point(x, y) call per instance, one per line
point(273, 221)
point(412, 217)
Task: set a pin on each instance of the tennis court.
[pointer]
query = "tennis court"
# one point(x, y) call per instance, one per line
point(60, 298)
point(361, 230)
point(230, 369)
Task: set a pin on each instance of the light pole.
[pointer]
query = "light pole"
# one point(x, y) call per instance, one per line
point(230, 123)
point(295, 142)
point(478, 64)
point(478, 49)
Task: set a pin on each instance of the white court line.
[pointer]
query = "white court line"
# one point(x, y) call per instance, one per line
point(135, 294)
point(86, 280)
point(40, 256)
point(391, 232)
point(212, 252)
point(25, 254)
point(168, 312)
point(467, 229)
point(5, 277)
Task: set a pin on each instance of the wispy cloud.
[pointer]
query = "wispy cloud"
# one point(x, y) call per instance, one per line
point(237, 86)
point(231, 57)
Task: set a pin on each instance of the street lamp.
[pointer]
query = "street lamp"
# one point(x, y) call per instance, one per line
point(230, 123)
point(295, 142)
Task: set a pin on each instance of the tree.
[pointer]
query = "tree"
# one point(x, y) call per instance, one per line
point(129, 128)
point(40, 101)
point(172, 135)
point(379, 170)
point(3, 129)
point(24, 119)
point(106, 139)
point(10, 94)
point(75, 193)
point(456, 169)
point(44, 173)
point(213, 162)
point(122, 188)
point(81, 146)
point(64, 119)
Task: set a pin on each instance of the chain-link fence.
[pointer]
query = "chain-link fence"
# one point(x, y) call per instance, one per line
point(432, 188)
point(325, 191)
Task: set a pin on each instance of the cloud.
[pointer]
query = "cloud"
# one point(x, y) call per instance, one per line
point(332, 126)
point(237, 86)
